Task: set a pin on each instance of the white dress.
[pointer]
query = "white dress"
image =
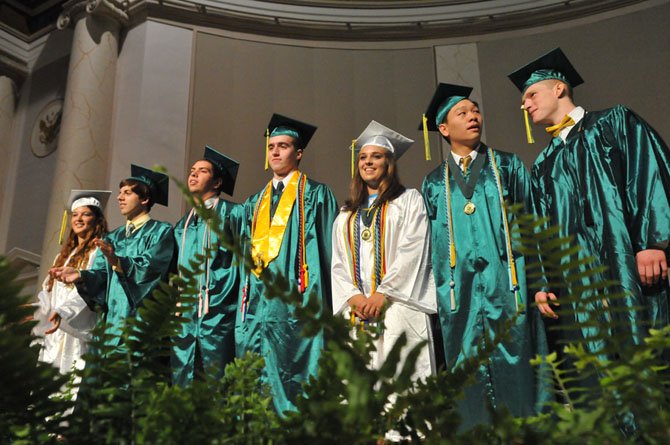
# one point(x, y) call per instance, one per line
point(408, 284)
point(64, 348)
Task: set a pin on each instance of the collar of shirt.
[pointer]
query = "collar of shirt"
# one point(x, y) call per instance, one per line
point(576, 114)
point(288, 177)
point(211, 202)
point(139, 221)
point(473, 155)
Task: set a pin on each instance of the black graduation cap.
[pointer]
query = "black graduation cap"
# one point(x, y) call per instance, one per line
point(158, 183)
point(445, 97)
point(553, 65)
point(227, 168)
point(282, 125)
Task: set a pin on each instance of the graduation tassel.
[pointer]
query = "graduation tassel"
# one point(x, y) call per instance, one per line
point(353, 157)
point(529, 134)
point(452, 295)
point(426, 140)
point(267, 146)
point(63, 224)
point(304, 280)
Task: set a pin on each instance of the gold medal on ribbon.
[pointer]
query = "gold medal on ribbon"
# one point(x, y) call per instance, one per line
point(366, 234)
point(469, 208)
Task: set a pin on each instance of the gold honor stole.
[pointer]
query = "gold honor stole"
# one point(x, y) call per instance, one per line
point(266, 235)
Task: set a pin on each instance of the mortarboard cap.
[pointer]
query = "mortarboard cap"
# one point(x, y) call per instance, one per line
point(158, 183)
point(381, 136)
point(96, 198)
point(445, 97)
point(79, 198)
point(227, 168)
point(282, 125)
point(553, 65)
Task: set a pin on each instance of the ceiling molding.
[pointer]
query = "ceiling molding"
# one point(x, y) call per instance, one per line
point(324, 20)
point(376, 21)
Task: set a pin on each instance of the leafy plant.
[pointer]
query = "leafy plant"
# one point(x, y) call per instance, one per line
point(608, 390)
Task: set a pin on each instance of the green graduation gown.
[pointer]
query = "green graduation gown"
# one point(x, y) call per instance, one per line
point(608, 185)
point(209, 331)
point(270, 328)
point(145, 258)
point(483, 295)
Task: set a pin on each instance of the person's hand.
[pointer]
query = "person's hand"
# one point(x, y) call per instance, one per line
point(66, 274)
point(55, 319)
point(357, 303)
point(107, 250)
point(375, 304)
point(652, 266)
point(544, 301)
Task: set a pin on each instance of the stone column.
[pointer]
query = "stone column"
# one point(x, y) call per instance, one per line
point(84, 141)
point(7, 108)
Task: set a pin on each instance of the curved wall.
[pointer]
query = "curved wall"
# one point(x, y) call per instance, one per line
point(238, 83)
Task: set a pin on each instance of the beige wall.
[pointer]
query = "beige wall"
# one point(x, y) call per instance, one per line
point(623, 60)
point(239, 84)
point(167, 108)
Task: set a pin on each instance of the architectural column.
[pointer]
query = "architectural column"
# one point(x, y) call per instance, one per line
point(7, 108)
point(84, 141)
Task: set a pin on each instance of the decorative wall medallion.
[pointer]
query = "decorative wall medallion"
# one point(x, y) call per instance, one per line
point(44, 137)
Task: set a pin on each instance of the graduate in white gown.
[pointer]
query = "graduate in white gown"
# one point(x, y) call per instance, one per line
point(381, 250)
point(63, 317)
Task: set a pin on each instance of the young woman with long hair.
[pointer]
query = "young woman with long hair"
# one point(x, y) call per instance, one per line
point(65, 319)
point(381, 251)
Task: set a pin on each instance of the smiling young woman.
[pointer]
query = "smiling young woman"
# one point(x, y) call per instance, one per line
point(64, 318)
point(382, 231)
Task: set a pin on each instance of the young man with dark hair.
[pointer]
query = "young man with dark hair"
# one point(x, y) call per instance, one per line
point(289, 224)
point(206, 341)
point(135, 257)
point(479, 273)
point(605, 180)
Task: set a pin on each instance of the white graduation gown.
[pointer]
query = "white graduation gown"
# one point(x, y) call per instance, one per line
point(408, 283)
point(64, 347)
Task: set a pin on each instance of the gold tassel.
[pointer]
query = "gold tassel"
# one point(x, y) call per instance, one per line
point(353, 158)
point(529, 134)
point(63, 224)
point(426, 141)
point(267, 146)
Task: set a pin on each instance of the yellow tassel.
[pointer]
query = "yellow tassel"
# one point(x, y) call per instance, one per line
point(426, 141)
point(267, 146)
point(353, 157)
point(529, 134)
point(352, 317)
point(63, 224)
point(305, 275)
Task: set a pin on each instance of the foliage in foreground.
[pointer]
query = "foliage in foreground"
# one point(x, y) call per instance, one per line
point(126, 397)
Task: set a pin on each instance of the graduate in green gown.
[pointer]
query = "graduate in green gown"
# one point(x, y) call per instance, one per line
point(605, 179)
point(478, 271)
point(206, 341)
point(135, 257)
point(289, 226)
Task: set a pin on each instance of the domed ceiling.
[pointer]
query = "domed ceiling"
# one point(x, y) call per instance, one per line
point(367, 20)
